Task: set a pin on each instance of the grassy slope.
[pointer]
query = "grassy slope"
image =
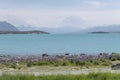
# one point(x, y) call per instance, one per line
point(91, 76)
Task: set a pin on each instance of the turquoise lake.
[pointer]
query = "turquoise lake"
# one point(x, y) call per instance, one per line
point(59, 43)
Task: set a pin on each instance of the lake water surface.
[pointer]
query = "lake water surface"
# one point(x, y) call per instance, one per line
point(59, 43)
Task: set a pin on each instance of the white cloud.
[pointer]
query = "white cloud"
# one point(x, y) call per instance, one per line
point(76, 19)
point(96, 18)
point(95, 3)
point(73, 21)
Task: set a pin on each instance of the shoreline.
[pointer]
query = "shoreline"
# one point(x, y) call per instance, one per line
point(59, 64)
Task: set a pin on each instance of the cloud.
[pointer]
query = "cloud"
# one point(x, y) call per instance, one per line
point(41, 19)
point(95, 3)
point(73, 21)
point(24, 17)
point(54, 19)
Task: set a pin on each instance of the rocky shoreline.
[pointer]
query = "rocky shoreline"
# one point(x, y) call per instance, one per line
point(58, 64)
point(102, 59)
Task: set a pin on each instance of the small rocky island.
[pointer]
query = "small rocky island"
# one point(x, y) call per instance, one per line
point(99, 32)
point(7, 28)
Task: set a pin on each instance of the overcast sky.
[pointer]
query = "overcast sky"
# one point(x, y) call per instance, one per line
point(60, 13)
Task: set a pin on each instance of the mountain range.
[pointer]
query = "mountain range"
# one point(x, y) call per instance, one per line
point(5, 26)
point(109, 28)
point(60, 30)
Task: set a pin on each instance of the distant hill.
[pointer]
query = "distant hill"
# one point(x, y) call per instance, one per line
point(66, 29)
point(110, 28)
point(5, 26)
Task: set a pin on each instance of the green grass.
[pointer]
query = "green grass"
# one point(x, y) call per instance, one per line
point(65, 62)
point(62, 62)
point(91, 76)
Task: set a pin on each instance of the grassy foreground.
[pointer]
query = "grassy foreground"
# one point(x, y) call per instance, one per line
point(91, 76)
